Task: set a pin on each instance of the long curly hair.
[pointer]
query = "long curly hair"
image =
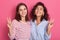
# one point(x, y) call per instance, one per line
point(33, 16)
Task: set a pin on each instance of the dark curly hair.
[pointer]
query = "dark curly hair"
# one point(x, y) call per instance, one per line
point(33, 16)
point(18, 17)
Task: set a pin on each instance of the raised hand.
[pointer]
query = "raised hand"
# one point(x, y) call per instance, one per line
point(50, 25)
point(9, 24)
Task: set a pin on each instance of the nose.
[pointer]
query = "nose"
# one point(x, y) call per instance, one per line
point(22, 11)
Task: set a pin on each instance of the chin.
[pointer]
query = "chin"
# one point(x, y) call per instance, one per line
point(39, 15)
point(24, 15)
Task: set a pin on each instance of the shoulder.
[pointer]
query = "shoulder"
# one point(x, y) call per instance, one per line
point(14, 22)
point(45, 21)
point(29, 22)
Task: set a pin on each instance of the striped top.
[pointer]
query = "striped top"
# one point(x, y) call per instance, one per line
point(39, 32)
point(20, 30)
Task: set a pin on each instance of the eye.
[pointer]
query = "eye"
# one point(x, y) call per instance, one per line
point(20, 9)
point(41, 8)
point(25, 9)
point(37, 8)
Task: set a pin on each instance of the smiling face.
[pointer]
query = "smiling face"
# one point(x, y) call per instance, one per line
point(39, 11)
point(22, 11)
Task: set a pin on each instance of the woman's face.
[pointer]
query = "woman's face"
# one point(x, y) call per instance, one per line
point(22, 11)
point(39, 11)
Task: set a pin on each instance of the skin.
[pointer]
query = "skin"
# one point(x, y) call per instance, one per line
point(39, 12)
point(23, 12)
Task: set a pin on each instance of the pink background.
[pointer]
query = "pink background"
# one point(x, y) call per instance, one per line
point(7, 9)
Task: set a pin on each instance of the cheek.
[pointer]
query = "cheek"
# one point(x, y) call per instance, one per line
point(25, 11)
point(42, 12)
point(36, 11)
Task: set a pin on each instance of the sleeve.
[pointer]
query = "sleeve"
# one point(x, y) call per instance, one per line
point(13, 31)
point(46, 36)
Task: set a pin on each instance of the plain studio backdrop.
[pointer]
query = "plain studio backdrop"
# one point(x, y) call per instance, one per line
point(7, 9)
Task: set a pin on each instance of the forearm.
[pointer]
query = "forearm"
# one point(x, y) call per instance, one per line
point(48, 31)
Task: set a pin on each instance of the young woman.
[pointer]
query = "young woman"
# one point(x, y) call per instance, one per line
point(19, 28)
point(41, 26)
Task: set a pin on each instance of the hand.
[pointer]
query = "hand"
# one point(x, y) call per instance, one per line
point(9, 24)
point(50, 25)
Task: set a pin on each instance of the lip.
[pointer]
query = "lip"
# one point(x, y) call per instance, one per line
point(38, 13)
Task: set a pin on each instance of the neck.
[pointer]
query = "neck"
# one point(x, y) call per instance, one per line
point(38, 20)
point(23, 19)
